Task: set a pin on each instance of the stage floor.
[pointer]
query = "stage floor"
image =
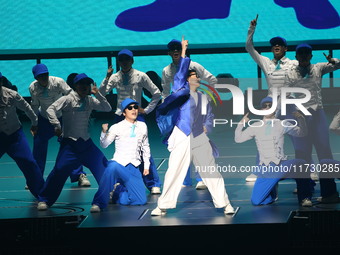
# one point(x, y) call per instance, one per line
point(194, 208)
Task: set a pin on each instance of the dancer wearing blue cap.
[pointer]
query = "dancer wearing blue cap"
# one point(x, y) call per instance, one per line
point(13, 140)
point(168, 74)
point(45, 90)
point(130, 83)
point(76, 146)
point(187, 140)
point(274, 69)
point(122, 174)
point(309, 76)
point(273, 163)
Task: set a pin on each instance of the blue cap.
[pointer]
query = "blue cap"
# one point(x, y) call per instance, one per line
point(304, 47)
point(266, 100)
point(126, 52)
point(82, 76)
point(127, 101)
point(39, 69)
point(174, 43)
point(278, 40)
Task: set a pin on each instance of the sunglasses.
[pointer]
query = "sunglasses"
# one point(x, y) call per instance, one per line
point(265, 105)
point(130, 107)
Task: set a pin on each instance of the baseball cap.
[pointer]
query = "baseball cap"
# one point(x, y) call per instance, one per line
point(174, 44)
point(266, 100)
point(39, 69)
point(304, 47)
point(80, 77)
point(126, 102)
point(126, 52)
point(278, 40)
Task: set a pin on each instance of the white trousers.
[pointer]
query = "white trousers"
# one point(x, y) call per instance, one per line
point(183, 150)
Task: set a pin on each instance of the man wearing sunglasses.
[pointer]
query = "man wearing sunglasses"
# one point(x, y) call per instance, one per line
point(122, 174)
point(129, 83)
point(269, 137)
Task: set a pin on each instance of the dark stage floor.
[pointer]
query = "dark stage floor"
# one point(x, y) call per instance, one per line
point(24, 230)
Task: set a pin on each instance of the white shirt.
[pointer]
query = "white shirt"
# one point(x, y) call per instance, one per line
point(10, 100)
point(128, 148)
point(310, 78)
point(76, 113)
point(43, 97)
point(169, 72)
point(131, 85)
point(275, 76)
point(269, 138)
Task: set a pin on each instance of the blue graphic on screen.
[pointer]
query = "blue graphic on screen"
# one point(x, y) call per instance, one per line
point(164, 14)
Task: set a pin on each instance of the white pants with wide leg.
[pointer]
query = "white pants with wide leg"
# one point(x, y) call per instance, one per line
point(184, 149)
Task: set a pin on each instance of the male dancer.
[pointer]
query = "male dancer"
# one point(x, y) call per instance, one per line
point(13, 140)
point(168, 74)
point(188, 141)
point(131, 143)
point(274, 69)
point(76, 146)
point(44, 91)
point(269, 137)
point(309, 76)
point(129, 83)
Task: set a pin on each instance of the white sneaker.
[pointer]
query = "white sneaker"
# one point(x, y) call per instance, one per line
point(158, 212)
point(229, 209)
point(306, 203)
point(200, 185)
point(42, 206)
point(314, 176)
point(251, 178)
point(94, 209)
point(155, 190)
point(83, 181)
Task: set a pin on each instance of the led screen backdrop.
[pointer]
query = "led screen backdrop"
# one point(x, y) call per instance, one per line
point(43, 24)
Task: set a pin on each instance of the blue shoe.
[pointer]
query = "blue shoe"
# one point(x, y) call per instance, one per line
point(164, 14)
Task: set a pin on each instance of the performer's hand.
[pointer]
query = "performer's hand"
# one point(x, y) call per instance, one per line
point(329, 59)
point(58, 132)
point(109, 72)
point(146, 172)
point(94, 89)
point(205, 130)
point(245, 118)
point(34, 130)
point(254, 21)
point(141, 110)
point(105, 127)
point(184, 46)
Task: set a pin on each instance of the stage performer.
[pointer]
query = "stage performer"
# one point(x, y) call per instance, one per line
point(309, 76)
point(12, 137)
point(187, 140)
point(76, 146)
point(122, 174)
point(129, 83)
point(273, 163)
point(45, 90)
